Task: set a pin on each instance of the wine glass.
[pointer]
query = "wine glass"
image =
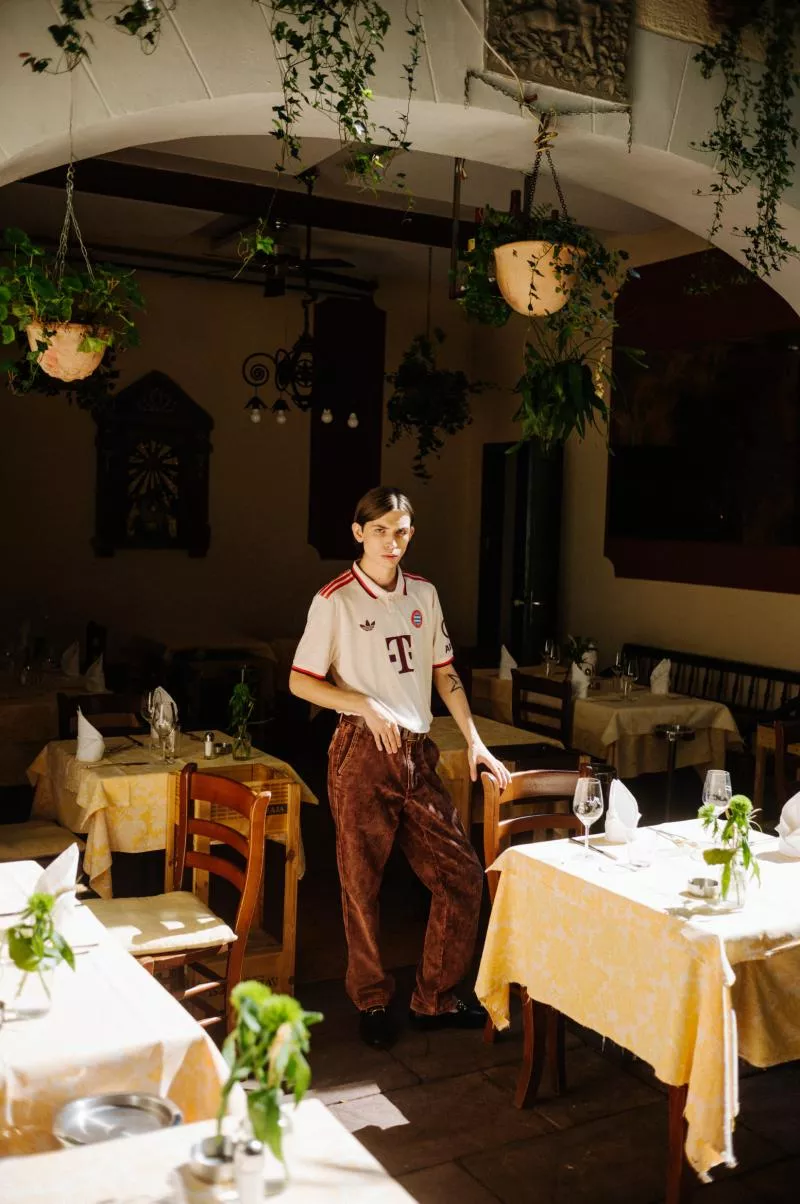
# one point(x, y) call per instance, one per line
point(631, 677)
point(549, 656)
point(163, 719)
point(717, 790)
point(587, 803)
point(618, 668)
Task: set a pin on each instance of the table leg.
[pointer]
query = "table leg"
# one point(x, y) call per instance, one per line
point(672, 749)
point(534, 1032)
point(760, 776)
point(679, 1180)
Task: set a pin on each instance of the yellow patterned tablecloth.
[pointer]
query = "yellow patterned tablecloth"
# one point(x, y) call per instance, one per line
point(111, 1028)
point(120, 803)
point(634, 957)
point(620, 731)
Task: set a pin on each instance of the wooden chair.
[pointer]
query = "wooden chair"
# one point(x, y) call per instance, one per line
point(542, 1026)
point(167, 932)
point(786, 733)
point(542, 705)
point(111, 714)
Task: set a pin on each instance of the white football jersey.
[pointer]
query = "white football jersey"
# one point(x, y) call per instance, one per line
point(380, 643)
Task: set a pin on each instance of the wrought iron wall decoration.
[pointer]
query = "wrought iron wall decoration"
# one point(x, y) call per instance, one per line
point(579, 45)
point(153, 448)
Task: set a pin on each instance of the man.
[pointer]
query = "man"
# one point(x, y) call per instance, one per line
point(380, 635)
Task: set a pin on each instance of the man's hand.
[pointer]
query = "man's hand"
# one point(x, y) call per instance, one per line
point(380, 723)
point(479, 754)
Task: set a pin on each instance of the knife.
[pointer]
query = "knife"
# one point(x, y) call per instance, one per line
point(603, 852)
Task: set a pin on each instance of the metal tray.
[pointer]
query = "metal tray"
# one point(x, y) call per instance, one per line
point(105, 1117)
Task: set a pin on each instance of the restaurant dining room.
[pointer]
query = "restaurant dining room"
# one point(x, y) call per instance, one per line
point(400, 608)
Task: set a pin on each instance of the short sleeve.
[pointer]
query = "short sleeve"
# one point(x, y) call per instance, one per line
point(442, 644)
point(316, 648)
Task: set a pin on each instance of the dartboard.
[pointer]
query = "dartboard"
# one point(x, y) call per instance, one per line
point(153, 472)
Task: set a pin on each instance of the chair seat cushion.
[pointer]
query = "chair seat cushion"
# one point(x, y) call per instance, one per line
point(35, 839)
point(165, 923)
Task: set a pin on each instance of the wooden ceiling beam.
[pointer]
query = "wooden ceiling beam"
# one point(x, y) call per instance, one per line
point(107, 177)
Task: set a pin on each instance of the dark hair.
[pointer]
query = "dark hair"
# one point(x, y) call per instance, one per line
point(380, 501)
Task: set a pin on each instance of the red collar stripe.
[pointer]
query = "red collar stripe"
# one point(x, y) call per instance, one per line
point(332, 586)
point(363, 584)
point(416, 577)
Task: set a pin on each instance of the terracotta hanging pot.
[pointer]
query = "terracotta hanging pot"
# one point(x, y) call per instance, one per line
point(62, 359)
point(528, 278)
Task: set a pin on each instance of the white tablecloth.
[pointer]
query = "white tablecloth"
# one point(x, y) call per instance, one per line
point(112, 1027)
point(325, 1164)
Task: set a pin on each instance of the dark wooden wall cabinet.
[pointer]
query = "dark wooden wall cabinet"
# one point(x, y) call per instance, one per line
point(349, 338)
point(153, 448)
point(704, 470)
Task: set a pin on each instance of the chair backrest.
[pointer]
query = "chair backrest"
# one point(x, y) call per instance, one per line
point(199, 788)
point(96, 640)
point(111, 714)
point(542, 705)
point(535, 787)
point(786, 733)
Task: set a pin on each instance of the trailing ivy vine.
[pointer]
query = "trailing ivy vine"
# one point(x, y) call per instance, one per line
point(327, 52)
point(141, 19)
point(428, 402)
point(754, 136)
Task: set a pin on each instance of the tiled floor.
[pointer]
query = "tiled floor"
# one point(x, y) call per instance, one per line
point(436, 1111)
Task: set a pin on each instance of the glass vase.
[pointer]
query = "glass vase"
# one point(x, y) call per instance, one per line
point(242, 746)
point(26, 996)
point(737, 888)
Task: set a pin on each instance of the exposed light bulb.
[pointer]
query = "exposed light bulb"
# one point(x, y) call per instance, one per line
point(352, 421)
point(326, 417)
point(280, 418)
point(255, 416)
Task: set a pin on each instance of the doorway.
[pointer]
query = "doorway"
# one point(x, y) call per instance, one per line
point(520, 550)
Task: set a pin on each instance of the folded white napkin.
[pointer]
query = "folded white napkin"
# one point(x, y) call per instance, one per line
point(90, 743)
point(94, 677)
point(71, 660)
point(580, 681)
point(162, 698)
point(622, 815)
point(788, 828)
point(659, 678)
point(507, 663)
point(61, 875)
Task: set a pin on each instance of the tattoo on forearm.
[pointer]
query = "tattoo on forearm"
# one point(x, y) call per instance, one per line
point(455, 682)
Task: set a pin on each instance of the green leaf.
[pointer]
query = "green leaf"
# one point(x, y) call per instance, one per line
point(718, 856)
point(7, 335)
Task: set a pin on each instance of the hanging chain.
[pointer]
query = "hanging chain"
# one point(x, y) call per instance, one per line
point(70, 220)
point(70, 223)
point(543, 143)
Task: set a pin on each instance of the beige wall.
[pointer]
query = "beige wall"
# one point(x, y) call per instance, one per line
point(260, 572)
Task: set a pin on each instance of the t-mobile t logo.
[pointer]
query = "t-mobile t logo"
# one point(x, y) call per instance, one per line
point(402, 655)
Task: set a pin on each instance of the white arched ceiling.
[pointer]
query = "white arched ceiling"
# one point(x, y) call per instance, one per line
point(214, 75)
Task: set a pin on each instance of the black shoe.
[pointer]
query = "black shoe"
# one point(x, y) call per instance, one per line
point(375, 1028)
point(464, 1015)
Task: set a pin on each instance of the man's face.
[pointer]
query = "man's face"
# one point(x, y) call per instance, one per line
point(385, 539)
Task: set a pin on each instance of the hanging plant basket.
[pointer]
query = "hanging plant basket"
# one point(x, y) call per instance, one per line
point(535, 277)
point(64, 357)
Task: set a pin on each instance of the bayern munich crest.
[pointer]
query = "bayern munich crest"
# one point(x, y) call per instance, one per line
point(416, 618)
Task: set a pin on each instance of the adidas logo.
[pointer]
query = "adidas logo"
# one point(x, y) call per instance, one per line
point(368, 626)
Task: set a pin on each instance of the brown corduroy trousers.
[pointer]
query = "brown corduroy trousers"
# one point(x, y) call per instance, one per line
point(376, 798)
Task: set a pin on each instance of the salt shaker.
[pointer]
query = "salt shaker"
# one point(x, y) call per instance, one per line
point(248, 1171)
point(208, 745)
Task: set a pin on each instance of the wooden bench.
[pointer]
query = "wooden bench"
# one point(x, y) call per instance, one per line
point(753, 693)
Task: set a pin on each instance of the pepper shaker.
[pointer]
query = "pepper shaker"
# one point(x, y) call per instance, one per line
point(208, 746)
point(248, 1171)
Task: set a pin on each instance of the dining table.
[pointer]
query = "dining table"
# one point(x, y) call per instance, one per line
point(684, 983)
point(323, 1162)
point(29, 718)
point(111, 1027)
point(620, 730)
point(501, 739)
point(122, 802)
